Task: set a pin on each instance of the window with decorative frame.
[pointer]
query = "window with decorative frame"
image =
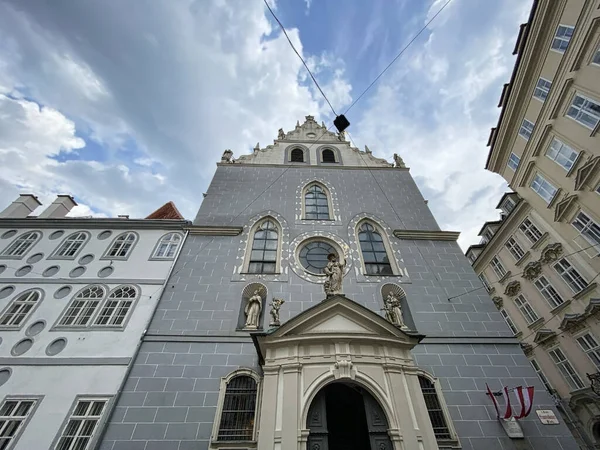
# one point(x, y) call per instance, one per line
point(264, 250)
point(526, 309)
point(542, 88)
point(498, 267)
point(570, 275)
point(588, 228)
point(167, 246)
point(15, 413)
point(485, 282)
point(543, 188)
point(21, 245)
point(562, 37)
point(82, 307)
point(548, 292)
point(328, 156)
point(373, 250)
point(316, 202)
point(566, 369)
point(71, 246)
point(80, 430)
point(530, 231)
point(19, 310)
point(561, 154)
point(526, 129)
point(122, 246)
point(117, 307)
point(437, 410)
point(509, 321)
point(542, 377)
point(589, 345)
point(514, 248)
point(513, 161)
point(584, 111)
point(297, 155)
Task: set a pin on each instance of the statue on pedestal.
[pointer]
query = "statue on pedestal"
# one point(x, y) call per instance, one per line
point(227, 155)
point(252, 311)
point(281, 134)
point(335, 273)
point(275, 305)
point(393, 310)
point(398, 161)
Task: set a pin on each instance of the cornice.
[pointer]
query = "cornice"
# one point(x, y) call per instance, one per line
point(214, 230)
point(94, 223)
point(425, 235)
point(305, 166)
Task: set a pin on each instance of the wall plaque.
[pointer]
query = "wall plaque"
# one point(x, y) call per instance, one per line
point(547, 416)
point(512, 428)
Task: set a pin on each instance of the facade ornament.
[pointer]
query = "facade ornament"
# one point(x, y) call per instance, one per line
point(297, 124)
point(551, 252)
point(512, 288)
point(281, 134)
point(344, 369)
point(398, 161)
point(393, 311)
point(275, 305)
point(257, 147)
point(527, 348)
point(335, 273)
point(323, 124)
point(227, 156)
point(252, 311)
point(532, 270)
point(498, 302)
point(342, 136)
point(367, 150)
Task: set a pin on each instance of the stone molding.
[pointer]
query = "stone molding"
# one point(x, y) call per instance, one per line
point(532, 270)
point(551, 252)
point(214, 230)
point(94, 223)
point(426, 235)
point(512, 288)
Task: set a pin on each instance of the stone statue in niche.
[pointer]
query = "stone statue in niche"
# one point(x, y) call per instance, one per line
point(275, 305)
point(398, 161)
point(252, 311)
point(335, 273)
point(227, 155)
point(281, 134)
point(342, 136)
point(393, 310)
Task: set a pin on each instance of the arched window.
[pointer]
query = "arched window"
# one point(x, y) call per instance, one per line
point(328, 156)
point(373, 251)
point(316, 205)
point(167, 246)
point(117, 307)
point(83, 306)
point(263, 256)
point(434, 408)
point(20, 309)
point(238, 409)
point(121, 246)
point(297, 155)
point(22, 244)
point(71, 245)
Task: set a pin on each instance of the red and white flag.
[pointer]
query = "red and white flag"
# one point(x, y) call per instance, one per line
point(508, 410)
point(525, 396)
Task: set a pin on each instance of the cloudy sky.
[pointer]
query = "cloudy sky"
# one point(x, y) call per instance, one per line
point(126, 104)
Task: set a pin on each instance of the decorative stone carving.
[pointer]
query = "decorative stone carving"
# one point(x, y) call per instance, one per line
point(512, 288)
point(532, 270)
point(527, 348)
point(227, 156)
point(281, 134)
point(342, 136)
point(498, 302)
point(398, 162)
point(367, 150)
point(257, 147)
point(275, 305)
point(563, 206)
point(393, 310)
point(551, 252)
point(344, 369)
point(252, 311)
point(334, 271)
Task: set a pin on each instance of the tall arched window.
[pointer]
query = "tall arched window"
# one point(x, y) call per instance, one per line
point(117, 307)
point(328, 156)
point(263, 256)
point(71, 245)
point(435, 409)
point(167, 246)
point(22, 244)
point(297, 155)
point(238, 409)
point(20, 309)
point(373, 251)
point(83, 306)
point(316, 205)
point(121, 246)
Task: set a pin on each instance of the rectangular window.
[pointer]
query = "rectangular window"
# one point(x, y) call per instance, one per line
point(530, 231)
point(543, 188)
point(566, 369)
point(540, 374)
point(570, 275)
point(77, 434)
point(513, 161)
point(596, 58)
point(548, 292)
point(509, 322)
point(526, 129)
point(584, 111)
point(562, 38)
point(14, 414)
point(541, 89)
point(498, 267)
point(526, 309)
point(588, 228)
point(514, 248)
point(562, 154)
point(485, 283)
point(590, 346)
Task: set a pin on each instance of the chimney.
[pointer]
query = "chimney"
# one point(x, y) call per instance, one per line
point(59, 207)
point(21, 207)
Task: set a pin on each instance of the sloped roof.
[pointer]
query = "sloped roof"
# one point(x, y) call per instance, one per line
point(166, 211)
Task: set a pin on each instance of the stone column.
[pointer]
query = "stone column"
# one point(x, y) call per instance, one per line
point(290, 424)
point(268, 408)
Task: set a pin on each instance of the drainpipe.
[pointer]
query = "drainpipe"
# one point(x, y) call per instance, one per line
point(113, 404)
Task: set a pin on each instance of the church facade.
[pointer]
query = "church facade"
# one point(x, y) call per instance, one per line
point(316, 304)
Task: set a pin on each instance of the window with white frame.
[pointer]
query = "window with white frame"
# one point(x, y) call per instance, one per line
point(434, 409)
point(562, 37)
point(566, 369)
point(71, 246)
point(265, 244)
point(80, 311)
point(589, 344)
point(121, 246)
point(167, 246)
point(508, 205)
point(316, 203)
point(80, 429)
point(21, 245)
point(509, 321)
point(236, 422)
point(562, 154)
point(20, 309)
point(513, 161)
point(596, 58)
point(588, 228)
point(497, 266)
point(570, 275)
point(526, 310)
point(548, 292)
point(14, 415)
point(526, 129)
point(543, 188)
point(117, 307)
point(530, 231)
point(485, 282)
point(541, 89)
point(541, 375)
point(514, 248)
point(373, 251)
point(584, 111)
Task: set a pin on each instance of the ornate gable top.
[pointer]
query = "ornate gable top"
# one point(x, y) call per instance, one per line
point(309, 130)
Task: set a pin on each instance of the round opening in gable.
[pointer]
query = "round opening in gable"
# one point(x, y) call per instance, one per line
point(77, 272)
point(56, 234)
point(8, 234)
point(62, 292)
point(6, 291)
point(56, 346)
point(86, 259)
point(104, 235)
point(36, 257)
point(22, 271)
point(50, 271)
point(313, 255)
point(35, 328)
point(105, 271)
point(22, 347)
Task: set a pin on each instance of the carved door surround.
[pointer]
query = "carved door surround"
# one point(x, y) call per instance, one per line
point(340, 341)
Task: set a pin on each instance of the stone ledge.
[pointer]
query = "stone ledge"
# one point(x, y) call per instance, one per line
point(424, 235)
point(214, 231)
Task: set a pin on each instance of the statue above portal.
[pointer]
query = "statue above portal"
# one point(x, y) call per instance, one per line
point(275, 305)
point(393, 310)
point(335, 273)
point(252, 311)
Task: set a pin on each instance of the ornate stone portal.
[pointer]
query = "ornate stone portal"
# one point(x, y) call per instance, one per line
point(275, 305)
point(252, 311)
point(335, 274)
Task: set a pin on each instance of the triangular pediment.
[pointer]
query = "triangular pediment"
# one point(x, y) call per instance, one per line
point(339, 323)
point(563, 207)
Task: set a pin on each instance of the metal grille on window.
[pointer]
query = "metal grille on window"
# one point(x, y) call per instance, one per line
point(373, 251)
point(71, 246)
point(122, 245)
point(315, 203)
point(434, 408)
point(116, 308)
point(297, 155)
point(83, 306)
point(13, 414)
point(81, 426)
point(263, 257)
point(22, 244)
point(19, 309)
point(239, 406)
point(168, 246)
point(328, 156)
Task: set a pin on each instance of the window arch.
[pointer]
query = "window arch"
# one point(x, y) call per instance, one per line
point(265, 248)
point(122, 246)
point(316, 202)
point(72, 245)
point(21, 245)
point(297, 155)
point(19, 310)
point(328, 156)
point(373, 250)
point(84, 304)
point(167, 246)
point(117, 307)
point(436, 408)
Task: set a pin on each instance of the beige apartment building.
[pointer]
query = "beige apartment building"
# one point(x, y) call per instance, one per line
point(540, 261)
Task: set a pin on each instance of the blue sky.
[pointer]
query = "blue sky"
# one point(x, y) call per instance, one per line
point(127, 107)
